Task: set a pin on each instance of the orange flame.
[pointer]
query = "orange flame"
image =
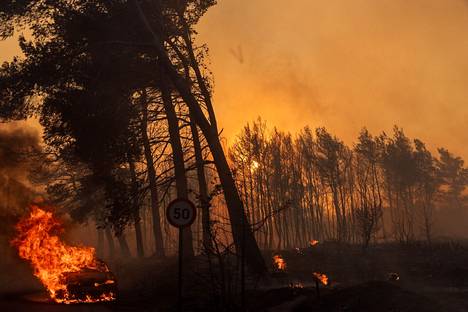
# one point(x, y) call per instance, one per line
point(313, 242)
point(52, 259)
point(279, 262)
point(322, 278)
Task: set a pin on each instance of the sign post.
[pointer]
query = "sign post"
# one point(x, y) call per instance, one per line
point(181, 213)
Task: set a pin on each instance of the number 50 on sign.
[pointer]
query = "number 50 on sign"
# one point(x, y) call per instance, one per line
point(181, 213)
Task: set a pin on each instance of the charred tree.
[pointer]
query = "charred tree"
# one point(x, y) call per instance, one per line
point(204, 200)
point(110, 241)
point(241, 231)
point(178, 159)
point(156, 216)
point(136, 210)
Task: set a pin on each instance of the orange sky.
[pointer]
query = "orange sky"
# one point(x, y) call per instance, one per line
point(343, 64)
point(340, 64)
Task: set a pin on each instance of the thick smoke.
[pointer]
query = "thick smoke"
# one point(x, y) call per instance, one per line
point(18, 142)
point(18, 146)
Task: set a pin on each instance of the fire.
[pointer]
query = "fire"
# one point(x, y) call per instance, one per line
point(313, 242)
point(254, 166)
point(279, 262)
point(57, 265)
point(322, 278)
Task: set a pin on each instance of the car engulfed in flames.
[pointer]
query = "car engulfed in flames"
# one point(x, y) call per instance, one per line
point(88, 286)
point(70, 274)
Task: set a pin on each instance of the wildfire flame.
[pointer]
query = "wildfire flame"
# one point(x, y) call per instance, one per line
point(52, 259)
point(279, 262)
point(255, 165)
point(313, 242)
point(322, 278)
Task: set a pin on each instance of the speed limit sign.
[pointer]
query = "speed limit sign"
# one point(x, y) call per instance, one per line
point(181, 213)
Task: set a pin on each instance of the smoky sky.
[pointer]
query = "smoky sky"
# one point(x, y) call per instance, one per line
point(340, 64)
point(343, 65)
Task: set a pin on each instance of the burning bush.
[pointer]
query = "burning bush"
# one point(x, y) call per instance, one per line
point(279, 262)
point(322, 278)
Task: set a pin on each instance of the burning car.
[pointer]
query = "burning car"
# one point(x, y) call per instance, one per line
point(70, 274)
point(88, 285)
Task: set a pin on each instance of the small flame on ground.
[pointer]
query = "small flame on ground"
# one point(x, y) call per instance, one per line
point(37, 241)
point(322, 278)
point(313, 242)
point(279, 262)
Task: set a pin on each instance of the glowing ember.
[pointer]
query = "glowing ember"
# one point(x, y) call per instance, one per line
point(296, 285)
point(279, 262)
point(298, 251)
point(322, 278)
point(255, 165)
point(393, 276)
point(69, 273)
point(313, 242)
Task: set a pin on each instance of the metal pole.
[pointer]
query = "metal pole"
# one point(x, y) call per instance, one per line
point(179, 294)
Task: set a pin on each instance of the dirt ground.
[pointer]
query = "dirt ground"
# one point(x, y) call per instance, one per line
point(430, 278)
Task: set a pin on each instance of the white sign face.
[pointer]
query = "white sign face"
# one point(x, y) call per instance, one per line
point(181, 213)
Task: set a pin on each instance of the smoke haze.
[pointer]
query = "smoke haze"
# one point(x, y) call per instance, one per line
point(343, 65)
point(18, 143)
point(339, 64)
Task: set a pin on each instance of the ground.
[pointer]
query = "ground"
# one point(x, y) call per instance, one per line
point(384, 278)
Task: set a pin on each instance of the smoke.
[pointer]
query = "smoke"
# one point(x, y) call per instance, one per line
point(18, 145)
point(343, 65)
point(19, 142)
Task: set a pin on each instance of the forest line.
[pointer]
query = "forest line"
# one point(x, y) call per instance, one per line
point(382, 188)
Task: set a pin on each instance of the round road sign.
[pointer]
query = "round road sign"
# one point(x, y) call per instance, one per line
point(181, 212)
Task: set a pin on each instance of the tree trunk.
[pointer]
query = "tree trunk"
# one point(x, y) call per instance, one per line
point(124, 249)
point(202, 189)
point(178, 159)
point(241, 230)
point(156, 216)
point(110, 240)
point(136, 211)
point(100, 243)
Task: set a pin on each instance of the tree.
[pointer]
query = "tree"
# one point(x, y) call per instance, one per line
point(83, 66)
point(368, 187)
point(242, 235)
point(453, 178)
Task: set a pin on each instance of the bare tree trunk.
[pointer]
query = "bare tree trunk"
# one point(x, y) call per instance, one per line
point(124, 249)
point(156, 217)
point(100, 243)
point(110, 240)
point(242, 235)
point(236, 209)
point(178, 159)
point(202, 189)
point(136, 211)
